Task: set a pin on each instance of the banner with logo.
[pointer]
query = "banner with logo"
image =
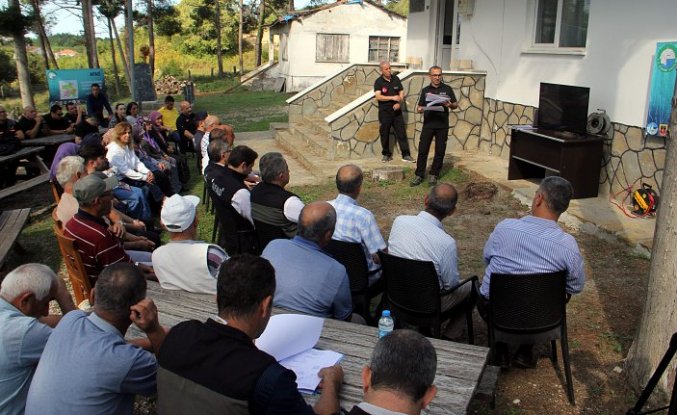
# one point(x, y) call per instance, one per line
point(663, 75)
point(72, 84)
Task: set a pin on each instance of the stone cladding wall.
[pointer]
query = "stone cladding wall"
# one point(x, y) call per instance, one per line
point(356, 133)
point(628, 158)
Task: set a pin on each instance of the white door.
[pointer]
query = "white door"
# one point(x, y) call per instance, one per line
point(447, 28)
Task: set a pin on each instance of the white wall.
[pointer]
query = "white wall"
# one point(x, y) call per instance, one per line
point(421, 28)
point(358, 20)
point(621, 43)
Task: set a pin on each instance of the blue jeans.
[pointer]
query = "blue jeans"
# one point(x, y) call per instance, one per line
point(135, 202)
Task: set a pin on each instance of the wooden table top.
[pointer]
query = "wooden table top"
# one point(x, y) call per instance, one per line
point(50, 140)
point(22, 153)
point(459, 366)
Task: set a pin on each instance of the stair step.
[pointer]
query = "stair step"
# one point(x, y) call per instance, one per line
point(297, 148)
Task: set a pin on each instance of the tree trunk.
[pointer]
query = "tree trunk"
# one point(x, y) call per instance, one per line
point(659, 320)
point(291, 5)
point(239, 38)
point(90, 33)
point(48, 55)
point(23, 76)
point(21, 58)
point(43, 47)
point(151, 39)
point(259, 33)
point(115, 62)
point(219, 42)
point(122, 55)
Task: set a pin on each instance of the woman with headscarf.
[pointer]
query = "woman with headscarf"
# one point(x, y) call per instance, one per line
point(159, 133)
point(167, 164)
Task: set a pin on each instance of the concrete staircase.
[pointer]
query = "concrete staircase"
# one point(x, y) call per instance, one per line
point(308, 139)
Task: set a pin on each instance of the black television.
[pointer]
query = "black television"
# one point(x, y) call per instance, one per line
point(563, 108)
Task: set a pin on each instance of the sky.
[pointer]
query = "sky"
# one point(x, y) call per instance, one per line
point(67, 22)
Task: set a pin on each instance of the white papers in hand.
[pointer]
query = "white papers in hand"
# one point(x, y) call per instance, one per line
point(290, 338)
point(433, 99)
point(290, 334)
point(307, 365)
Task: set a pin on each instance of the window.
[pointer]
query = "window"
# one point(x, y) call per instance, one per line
point(283, 46)
point(332, 48)
point(383, 48)
point(561, 23)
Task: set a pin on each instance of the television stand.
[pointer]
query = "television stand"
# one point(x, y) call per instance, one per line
point(575, 157)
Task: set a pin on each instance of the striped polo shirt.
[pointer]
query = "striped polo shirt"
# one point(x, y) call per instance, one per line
point(96, 245)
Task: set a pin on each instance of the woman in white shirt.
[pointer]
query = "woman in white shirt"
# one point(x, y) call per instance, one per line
point(125, 163)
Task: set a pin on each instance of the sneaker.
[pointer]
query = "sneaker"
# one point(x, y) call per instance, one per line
point(408, 159)
point(432, 179)
point(386, 159)
point(416, 181)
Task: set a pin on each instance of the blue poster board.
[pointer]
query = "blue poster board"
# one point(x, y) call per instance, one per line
point(73, 84)
point(663, 75)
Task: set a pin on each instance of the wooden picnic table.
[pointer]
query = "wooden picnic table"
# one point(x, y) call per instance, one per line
point(11, 224)
point(459, 366)
point(49, 141)
point(28, 153)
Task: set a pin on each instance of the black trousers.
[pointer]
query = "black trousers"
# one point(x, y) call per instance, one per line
point(440, 135)
point(395, 120)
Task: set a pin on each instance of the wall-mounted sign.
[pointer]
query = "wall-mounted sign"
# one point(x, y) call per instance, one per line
point(663, 75)
point(73, 84)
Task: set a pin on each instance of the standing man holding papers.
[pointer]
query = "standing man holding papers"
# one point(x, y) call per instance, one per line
point(435, 101)
point(215, 368)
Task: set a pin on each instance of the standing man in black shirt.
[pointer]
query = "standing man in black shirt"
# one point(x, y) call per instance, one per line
point(390, 96)
point(186, 126)
point(97, 101)
point(435, 124)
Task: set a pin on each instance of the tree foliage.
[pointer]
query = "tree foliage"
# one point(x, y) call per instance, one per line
point(15, 21)
point(400, 7)
point(7, 68)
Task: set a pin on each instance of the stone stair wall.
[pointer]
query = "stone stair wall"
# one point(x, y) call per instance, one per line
point(354, 131)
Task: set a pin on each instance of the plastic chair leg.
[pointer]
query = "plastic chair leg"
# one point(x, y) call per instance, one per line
point(567, 367)
point(553, 348)
point(215, 228)
point(471, 329)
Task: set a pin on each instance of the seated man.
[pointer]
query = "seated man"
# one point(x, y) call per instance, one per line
point(274, 209)
point(536, 244)
point(10, 137)
point(231, 195)
point(133, 200)
point(396, 383)
point(24, 300)
point(30, 123)
point(56, 123)
point(423, 238)
point(97, 246)
point(88, 126)
point(214, 367)
point(131, 231)
point(87, 366)
point(184, 263)
point(355, 223)
point(73, 113)
point(308, 279)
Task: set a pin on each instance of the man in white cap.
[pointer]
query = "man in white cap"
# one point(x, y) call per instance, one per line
point(184, 263)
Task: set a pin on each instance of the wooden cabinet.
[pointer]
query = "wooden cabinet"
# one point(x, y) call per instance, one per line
point(575, 157)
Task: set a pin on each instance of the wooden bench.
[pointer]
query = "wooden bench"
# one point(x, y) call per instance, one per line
point(28, 153)
point(11, 224)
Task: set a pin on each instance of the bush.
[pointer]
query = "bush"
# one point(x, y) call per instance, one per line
point(173, 68)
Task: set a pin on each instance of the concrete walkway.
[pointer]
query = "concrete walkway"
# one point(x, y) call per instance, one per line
point(593, 215)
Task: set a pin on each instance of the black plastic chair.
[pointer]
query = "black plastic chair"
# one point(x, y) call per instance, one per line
point(413, 295)
point(351, 255)
point(266, 232)
point(530, 309)
point(233, 237)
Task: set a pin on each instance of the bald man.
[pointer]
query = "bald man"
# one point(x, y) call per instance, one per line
point(422, 237)
point(309, 280)
point(30, 122)
point(355, 223)
point(389, 94)
point(186, 126)
point(210, 124)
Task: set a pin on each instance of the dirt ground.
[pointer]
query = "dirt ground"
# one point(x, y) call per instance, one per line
point(602, 319)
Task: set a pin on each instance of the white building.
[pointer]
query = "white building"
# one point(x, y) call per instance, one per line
point(318, 42)
point(606, 45)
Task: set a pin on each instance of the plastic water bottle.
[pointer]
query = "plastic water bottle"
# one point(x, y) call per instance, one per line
point(386, 324)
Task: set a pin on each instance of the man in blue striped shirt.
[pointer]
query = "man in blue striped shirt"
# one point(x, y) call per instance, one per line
point(536, 243)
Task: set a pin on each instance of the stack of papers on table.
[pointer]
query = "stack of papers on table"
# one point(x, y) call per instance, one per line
point(290, 339)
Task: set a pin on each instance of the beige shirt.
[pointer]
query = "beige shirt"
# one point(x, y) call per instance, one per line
point(67, 208)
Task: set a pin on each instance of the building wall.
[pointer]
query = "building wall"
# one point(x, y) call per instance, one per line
point(616, 65)
point(358, 20)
